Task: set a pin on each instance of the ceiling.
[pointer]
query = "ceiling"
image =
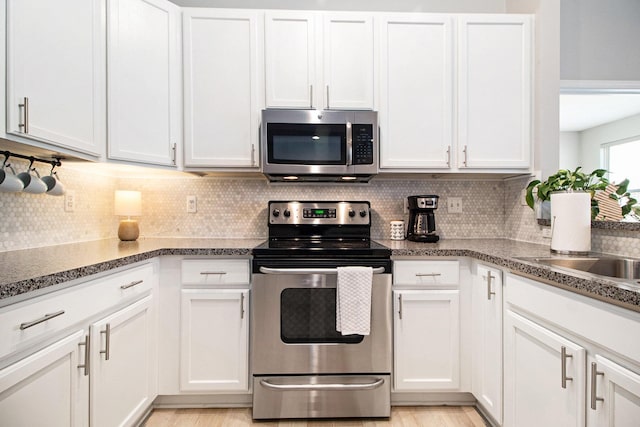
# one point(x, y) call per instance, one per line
point(584, 111)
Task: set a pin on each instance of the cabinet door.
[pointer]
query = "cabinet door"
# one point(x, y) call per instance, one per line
point(535, 392)
point(290, 59)
point(222, 87)
point(416, 97)
point(144, 81)
point(426, 340)
point(614, 394)
point(487, 340)
point(494, 91)
point(46, 388)
point(56, 61)
point(348, 61)
point(214, 354)
point(123, 368)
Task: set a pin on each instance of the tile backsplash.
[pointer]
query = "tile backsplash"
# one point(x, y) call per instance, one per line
point(237, 208)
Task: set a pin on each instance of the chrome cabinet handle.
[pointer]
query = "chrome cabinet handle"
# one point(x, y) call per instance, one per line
point(449, 156)
point(253, 155)
point(132, 284)
point(49, 316)
point(310, 96)
point(594, 386)
point(206, 273)
point(107, 332)
point(242, 306)
point(563, 360)
point(306, 387)
point(87, 354)
point(489, 293)
point(400, 306)
point(24, 125)
point(464, 162)
point(328, 108)
point(428, 274)
point(173, 153)
point(268, 270)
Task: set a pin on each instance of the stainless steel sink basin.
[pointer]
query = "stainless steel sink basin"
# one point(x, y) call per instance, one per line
point(614, 267)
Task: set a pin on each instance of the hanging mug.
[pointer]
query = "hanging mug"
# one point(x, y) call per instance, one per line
point(10, 183)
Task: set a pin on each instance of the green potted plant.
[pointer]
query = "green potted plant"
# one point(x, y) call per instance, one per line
point(574, 181)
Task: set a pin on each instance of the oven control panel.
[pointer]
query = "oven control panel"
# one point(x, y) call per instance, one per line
point(329, 213)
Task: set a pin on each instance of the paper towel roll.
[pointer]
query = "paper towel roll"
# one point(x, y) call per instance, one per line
point(571, 222)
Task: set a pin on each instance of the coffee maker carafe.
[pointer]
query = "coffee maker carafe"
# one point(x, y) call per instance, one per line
point(422, 222)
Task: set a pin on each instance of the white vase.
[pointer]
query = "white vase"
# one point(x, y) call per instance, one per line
point(571, 222)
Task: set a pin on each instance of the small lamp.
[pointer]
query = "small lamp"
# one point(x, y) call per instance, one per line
point(128, 203)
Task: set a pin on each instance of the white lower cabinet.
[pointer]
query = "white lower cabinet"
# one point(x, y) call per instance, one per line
point(426, 340)
point(613, 394)
point(486, 306)
point(47, 388)
point(569, 360)
point(214, 352)
point(544, 376)
point(104, 374)
point(122, 365)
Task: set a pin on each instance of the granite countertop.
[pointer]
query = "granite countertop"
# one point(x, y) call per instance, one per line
point(32, 270)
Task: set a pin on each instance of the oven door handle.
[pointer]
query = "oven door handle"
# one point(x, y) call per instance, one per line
point(308, 387)
point(268, 270)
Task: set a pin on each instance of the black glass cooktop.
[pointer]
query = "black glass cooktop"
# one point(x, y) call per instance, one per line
point(324, 248)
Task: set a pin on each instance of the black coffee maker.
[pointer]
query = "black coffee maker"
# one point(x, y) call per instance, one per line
point(422, 222)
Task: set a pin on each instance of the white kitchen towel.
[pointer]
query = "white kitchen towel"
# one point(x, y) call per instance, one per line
point(353, 300)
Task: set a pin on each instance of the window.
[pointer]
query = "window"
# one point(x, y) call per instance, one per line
point(620, 158)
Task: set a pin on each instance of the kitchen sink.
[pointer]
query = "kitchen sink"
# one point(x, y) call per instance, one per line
point(608, 266)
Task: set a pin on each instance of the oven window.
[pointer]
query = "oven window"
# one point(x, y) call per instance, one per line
point(309, 316)
point(308, 144)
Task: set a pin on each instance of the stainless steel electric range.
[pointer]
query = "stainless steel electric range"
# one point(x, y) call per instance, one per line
point(302, 366)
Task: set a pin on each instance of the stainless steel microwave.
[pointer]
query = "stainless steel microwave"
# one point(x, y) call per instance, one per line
point(316, 145)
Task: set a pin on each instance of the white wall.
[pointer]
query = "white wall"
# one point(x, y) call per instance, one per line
point(452, 6)
point(592, 139)
point(569, 150)
point(599, 40)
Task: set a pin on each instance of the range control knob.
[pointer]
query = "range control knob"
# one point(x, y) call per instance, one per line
point(276, 213)
point(363, 213)
point(352, 213)
point(287, 213)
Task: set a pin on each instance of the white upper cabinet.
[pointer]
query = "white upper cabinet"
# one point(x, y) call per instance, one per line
point(223, 79)
point(416, 91)
point(494, 91)
point(290, 59)
point(56, 73)
point(319, 60)
point(144, 81)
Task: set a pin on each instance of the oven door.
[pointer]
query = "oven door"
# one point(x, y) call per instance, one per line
point(294, 326)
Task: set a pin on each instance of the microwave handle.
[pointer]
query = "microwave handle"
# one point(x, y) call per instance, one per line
point(349, 144)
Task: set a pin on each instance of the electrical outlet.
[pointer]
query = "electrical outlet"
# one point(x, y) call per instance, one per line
point(454, 204)
point(192, 204)
point(69, 201)
point(546, 233)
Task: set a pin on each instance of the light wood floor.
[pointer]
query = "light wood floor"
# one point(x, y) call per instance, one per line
point(401, 416)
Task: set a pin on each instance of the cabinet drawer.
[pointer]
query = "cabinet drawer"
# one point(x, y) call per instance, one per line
point(215, 271)
point(27, 323)
point(426, 273)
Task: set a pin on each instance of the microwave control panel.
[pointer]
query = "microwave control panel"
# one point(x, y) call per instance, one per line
point(362, 144)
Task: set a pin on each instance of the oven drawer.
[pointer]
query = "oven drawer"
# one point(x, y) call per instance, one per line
point(426, 273)
point(220, 271)
point(321, 396)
